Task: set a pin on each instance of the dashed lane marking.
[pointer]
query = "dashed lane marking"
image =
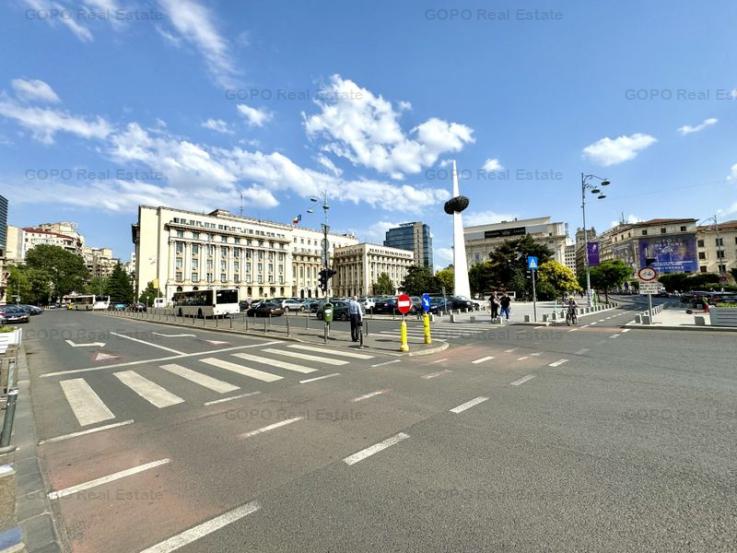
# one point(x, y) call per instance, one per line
point(369, 395)
point(437, 374)
point(465, 406)
point(318, 378)
point(523, 380)
point(85, 432)
point(231, 398)
point(385, 363)
point(269, 427)
point(487, 358)
point(374, 449)
point(558, 363)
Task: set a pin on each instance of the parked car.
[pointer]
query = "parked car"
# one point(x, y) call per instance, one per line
point(265, 309)
point(30, 309)
point(11, 314)
point(244, 305)
point(293, 304)
point(438, 304)
point(369, 304)
point(386, 305)
point(120, 306)
point(340, 311)
point(138, 306)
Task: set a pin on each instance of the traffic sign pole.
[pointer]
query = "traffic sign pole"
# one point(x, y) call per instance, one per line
point(532, 266)
point(426, 325)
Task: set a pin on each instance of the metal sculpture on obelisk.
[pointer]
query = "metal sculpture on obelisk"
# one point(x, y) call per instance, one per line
point(454, 206)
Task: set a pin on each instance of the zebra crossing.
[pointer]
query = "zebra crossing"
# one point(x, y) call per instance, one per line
point(443, 331)
point(207, 375)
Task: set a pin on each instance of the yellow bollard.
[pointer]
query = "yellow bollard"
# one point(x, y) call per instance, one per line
point(403, 346)
point(426, 324)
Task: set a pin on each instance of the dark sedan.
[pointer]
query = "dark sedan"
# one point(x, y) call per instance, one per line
point(13, 314)
point(340, 311)
point(265, 309)
point(30, 309)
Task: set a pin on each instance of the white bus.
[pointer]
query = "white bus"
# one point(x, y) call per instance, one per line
point(206, 303)
point(87, 302)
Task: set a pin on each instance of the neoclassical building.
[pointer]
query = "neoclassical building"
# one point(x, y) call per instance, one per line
point(358, 267)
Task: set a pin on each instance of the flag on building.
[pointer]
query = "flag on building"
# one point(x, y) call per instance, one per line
point(297, 219)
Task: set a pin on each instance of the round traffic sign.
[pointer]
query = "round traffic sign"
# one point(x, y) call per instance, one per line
point(647, 274)
point(404, 303)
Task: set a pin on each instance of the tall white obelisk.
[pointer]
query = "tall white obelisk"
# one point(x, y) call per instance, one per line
point(460, 265)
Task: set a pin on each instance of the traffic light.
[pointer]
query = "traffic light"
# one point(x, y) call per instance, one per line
point(324, 276)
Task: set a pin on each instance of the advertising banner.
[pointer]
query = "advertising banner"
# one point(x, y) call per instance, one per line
point(592, 251)
point(672, 254)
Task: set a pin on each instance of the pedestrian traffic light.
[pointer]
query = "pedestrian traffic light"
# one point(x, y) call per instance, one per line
point(324, 276)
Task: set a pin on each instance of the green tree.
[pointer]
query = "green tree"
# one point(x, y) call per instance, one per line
point(383, 285)
point(119, 286)
point(149, 294)
point(481, 277)
point(97, 285)
point(556, 280)
point(509, 264)
point(445, 279)
point(66, 271)
point(610, 274)
point(418, 281)
point(31, 286)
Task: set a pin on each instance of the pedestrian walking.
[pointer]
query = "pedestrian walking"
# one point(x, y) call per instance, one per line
point(356, 312)
point(494, 301)
point(506, 303)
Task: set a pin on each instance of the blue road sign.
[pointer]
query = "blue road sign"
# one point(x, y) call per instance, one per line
point(426, 302)
point(532, 263)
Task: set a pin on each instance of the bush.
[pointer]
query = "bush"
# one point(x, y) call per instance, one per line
point(4, 329)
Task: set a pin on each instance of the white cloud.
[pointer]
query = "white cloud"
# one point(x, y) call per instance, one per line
point(492, 166)
point(329, 165)
point(259, 197)
point(44, 123)
point(443, 257)
point(364, 129)
point(53, 12)
point(688, 129)
point(733, 94)
point(608, 151)
point(486, 218)
point(34, 90)
point(377, 232)
point(195, 23)
point(255, 117)
point(733, 172)
point(217, 125)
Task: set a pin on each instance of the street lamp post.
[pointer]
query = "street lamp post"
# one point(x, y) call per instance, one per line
point(587, 185)
point(719, 247)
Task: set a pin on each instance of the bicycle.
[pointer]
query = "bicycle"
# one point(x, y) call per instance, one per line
point(571, 317)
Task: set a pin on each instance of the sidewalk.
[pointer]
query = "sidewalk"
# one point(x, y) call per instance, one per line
point(676, 318)
point(300, 329)
point(522, 310)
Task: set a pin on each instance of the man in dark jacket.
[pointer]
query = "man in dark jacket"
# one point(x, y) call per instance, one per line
point(505, 302)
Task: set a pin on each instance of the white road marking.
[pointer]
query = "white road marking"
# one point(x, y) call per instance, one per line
point(369, 395)
point(91, 344)
point(231, 398)
point(150, 391)
point(539, 327)
point(158, 360)
point(85, 403)
point(85, 432)
point(558, 363)
point(585, 326)
point(626, 330)
point(536, 354)
point(463, 406)
point(304, 356)
point(614, 336)
point(202, 379)
point(202, 530)
point(217, 342)
point(269, 427)
point(242, 370)
point(594, 323)
point(573, 330)
point(102, 356)
point(106, 479)
point(523, 358)
point(512, 350)
point(438, 361)
point(147, 343)
point(275, 363)
point(581, 351)
point(374, 449)
point(174, 335)
point(333, 352)
point(385, 363)
point(435, 375)
point(481, 360)
point(318, 378)
point(523, 380)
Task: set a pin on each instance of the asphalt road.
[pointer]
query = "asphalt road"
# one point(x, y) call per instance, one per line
point(585, 439)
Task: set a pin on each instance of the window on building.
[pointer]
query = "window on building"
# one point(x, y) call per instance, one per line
point(211, 251)
point(209, 277)
point(180, 234)
point(237, 240)
point(722, 268)
point(237, 253)
point(644, 232)
point(196, 235)
point(702, 268)
point(223, 277)
point(179, 264)
point(663, 230)
point(702, 255)
point(195, 249)
point(720, 241)
point(195, 264)
point(195, 277)
point(700, 243)
point(683, 228)
point(720, 254)
point(180, 248)
point(179, 276)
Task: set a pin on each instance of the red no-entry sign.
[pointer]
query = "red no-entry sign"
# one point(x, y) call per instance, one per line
point(404, 303)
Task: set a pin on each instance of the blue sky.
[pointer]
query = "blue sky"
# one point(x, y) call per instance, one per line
point(197, 102)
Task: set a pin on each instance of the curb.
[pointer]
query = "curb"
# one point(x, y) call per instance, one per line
point(429, 351)
point(686, 328)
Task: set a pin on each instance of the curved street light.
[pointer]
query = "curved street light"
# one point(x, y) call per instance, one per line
point(587, 185)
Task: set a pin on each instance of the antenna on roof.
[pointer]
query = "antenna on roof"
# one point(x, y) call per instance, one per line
point(241, 204)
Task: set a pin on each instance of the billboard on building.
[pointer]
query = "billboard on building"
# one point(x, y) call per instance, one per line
point(672, 254)
point(592, 252)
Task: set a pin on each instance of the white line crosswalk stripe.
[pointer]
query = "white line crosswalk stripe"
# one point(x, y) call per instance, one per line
point(242, 370)
point(85, 403)
point(202, 379)
point(275, 363)
point(333, 352)
point(150, 391)
point(304, 356)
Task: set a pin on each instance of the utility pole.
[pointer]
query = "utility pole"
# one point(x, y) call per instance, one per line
point(586, 185)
